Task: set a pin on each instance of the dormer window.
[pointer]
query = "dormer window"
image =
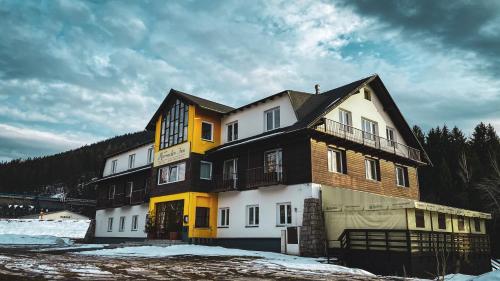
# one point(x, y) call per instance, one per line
point(272, 119)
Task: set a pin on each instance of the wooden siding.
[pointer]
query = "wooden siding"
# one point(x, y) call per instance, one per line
point(355, 177)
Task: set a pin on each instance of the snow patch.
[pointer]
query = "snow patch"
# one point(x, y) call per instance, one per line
point(75, 229)
point(267, 258)
point(14, 239)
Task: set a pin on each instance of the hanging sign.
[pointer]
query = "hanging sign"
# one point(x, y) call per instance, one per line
point(172, 154)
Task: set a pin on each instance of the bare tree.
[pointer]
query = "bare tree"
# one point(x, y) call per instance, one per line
point(490, 188)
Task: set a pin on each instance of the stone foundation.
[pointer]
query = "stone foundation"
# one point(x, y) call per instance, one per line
point(312, 232)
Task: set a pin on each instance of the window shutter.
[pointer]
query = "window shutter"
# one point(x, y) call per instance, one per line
point(377, 166)
point(407, 180)
point(344, 162)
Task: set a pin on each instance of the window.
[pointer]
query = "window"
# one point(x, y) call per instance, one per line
point(202, 217)
point(391, 136)
point(461, 223)
point(230, 170)
point(114, 163)
point(273, 161)
point(150, 155)
point(207, 131)
point(272, 119)
point(129, 188)
point(441, 221)
point(372, 169)
point(232, 131)
point(370, 129)
point(284, 212)
point(368, 94)
point(131, 161)
point(419, 218)
point(174, 125)
point(172, 173)
point(337, 161)
point(477, 225)
point(110, 224)
point(345, 119)
point(253, 215)
point(121, 226)
point(402, 176)
point(111, 192)
point(205, 170)
point(223, 217)
point(135, 223)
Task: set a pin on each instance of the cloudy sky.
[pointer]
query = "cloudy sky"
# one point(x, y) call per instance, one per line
point(76, 72)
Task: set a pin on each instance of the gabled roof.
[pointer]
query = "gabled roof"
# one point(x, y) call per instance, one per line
point(202, 103)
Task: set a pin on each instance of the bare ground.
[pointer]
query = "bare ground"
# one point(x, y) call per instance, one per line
point(17, 264)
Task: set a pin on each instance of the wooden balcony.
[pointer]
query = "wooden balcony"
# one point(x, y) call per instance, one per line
point(120, 199)
point(368, 140)
point(250, 178)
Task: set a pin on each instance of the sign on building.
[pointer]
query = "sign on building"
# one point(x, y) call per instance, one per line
point(172, 154)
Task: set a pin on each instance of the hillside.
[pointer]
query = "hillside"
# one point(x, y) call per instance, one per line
point(69, 170)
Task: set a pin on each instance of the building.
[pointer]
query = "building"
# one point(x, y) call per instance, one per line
point(123, 194)
point(57, 215)
point(300, 173)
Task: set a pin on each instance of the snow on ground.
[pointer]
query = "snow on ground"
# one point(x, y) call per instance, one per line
point(75, 229)
point(489, 276)
point(267, 258)
point(74, 247)
point(15, 239)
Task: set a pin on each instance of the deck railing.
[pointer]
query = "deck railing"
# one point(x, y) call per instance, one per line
point(251, 178)
point(413, 241)
point(371, 140)
point(121, 199)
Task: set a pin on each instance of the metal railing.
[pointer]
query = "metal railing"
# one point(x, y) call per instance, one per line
point(371, 140)
point(251, 178)
point(413, 241)
point(122, 199)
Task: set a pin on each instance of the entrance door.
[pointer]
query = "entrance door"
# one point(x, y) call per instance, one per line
point(169, 223)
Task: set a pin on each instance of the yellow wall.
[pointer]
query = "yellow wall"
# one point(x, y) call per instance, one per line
point(196, 115)
point(194, 136)
point(435, 222)
point(191, 201)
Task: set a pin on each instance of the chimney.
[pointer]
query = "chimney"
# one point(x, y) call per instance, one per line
point(316, 87)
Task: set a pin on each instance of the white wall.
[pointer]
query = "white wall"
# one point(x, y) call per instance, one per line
point(267, 198)
point(64, 215)
point(101, 219)
point(372, 110)
point(141, 159)
point(251, 120)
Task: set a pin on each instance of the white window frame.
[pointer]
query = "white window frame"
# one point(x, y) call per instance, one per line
point(367, 94)
point(211, 131)
point(231, 137)
point(402, 168)
point(180, 176)
point(279, 161)
point(273, 111)
point(345, 119)
point(114, 165)
point(210, 173)
point(368, 169)
point(151, 154)
point(235, 172)
point(134, 226)
point(121, 224)
point(372, 134)
point(287, 208)
point(131, 161)
point(392, 142)
point(110, 224)
point(111, 187)
point(332, 165)
point(223, 223)
point(252, 209)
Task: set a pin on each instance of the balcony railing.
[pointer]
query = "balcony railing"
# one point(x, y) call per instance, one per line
point(251, 178)
point(371, 140)
point(120, 199)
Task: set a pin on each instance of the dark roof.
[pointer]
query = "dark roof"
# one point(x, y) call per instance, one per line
point(202, 103)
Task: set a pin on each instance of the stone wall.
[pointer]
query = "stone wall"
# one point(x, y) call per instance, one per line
point(312, 232)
